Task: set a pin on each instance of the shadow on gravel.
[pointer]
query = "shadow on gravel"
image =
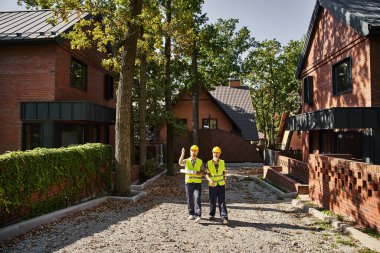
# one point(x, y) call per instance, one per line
point(262, 226)
point(92, 221)
point(263, 209)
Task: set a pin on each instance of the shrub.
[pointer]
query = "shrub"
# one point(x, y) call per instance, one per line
point(73, 170)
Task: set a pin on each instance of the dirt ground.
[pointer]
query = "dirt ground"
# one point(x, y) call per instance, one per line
point(259, 222)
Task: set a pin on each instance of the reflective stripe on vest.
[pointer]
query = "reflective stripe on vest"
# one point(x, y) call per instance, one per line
point(193, 178)
point(218, 178)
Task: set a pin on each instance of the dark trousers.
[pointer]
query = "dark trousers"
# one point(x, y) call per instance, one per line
point(218, 192)
point(193, 196)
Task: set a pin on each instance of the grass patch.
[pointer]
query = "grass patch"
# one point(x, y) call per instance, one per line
point(371, 232)
point(323, 225)
point(348, 242)
point(327, 212)
point(310, 204)
point(366, 250)
point(340, 217)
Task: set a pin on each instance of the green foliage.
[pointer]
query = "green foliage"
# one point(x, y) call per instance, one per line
point(36, 171)
point(371, 232)
point(366, 250)
point(270, 71)
point(221, 53)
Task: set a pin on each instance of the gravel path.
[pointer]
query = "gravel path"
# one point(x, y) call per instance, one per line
point(259, 222)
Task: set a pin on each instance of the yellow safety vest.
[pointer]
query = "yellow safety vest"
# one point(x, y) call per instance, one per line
point(218, 178)
point(193, 178)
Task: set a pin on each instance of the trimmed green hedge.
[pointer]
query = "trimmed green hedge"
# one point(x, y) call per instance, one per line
point(74, 169)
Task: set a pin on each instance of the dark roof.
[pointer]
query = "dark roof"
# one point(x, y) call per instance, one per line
point(33, 25)
point(237, 104)
point(361, 15)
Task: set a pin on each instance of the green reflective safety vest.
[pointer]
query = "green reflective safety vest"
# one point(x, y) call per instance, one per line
point(193, 178)
point(217, 177)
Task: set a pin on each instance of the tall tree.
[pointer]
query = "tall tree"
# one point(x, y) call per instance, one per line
point(168, 90)
point(117, 27)
point(222, 51)
point(275, 90)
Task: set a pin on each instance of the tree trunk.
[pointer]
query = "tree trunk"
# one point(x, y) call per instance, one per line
point(273, 115)
point(142, 114)
point(123, 143)
point(168, 94)
point(194, 70)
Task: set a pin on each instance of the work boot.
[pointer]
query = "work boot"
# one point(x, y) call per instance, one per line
point(198, 219)
point(225, 221)
point(191, 217)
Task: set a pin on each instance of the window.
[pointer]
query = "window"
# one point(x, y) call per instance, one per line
point(210, 123)
point(96, 134)
point(183, 122)
point(308, 92)
point(106, 135)
point(109, 87)
point(32, 137)
point(78, 72)
point(342, 82)
point(69, 134)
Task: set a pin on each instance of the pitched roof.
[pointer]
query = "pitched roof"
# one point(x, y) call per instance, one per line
point(361, 15)
point(33, 25)
point(237, 104)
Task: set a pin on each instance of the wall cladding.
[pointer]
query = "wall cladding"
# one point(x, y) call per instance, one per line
point(346, 187)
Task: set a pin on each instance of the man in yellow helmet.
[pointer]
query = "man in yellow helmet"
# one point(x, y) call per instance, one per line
point(216, 176)
point(193, 182)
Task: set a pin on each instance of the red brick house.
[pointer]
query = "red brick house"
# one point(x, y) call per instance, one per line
point(340, 120)
point(226, 119)
point(340, 80)
point(50, 95)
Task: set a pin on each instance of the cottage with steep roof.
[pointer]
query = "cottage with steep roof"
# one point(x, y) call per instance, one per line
point(226, 119)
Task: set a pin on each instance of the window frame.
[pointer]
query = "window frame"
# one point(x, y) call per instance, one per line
point(349, 77)
point(25, 141)
point(109, 87)
point(209, 121)
point(85, 74)
point(308, 90)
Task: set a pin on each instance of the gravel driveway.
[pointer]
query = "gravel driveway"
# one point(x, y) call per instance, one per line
point(259, 222)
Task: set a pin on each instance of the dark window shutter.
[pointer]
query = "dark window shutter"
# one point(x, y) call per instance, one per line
point(310, 87)
point(108, 87)
point(305, 91)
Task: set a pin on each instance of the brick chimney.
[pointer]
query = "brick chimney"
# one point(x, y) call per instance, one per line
point(234, 83)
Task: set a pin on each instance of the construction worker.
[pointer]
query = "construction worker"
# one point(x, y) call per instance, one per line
point(216, 176)
point(193, 182)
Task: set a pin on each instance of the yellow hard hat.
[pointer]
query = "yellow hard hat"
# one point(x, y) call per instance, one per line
point(194, 147)
point(216, 150)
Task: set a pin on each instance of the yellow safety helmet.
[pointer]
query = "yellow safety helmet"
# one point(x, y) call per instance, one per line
point(216, 150)
point(194, 147)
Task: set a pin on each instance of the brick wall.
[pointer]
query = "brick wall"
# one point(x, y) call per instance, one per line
point(95, 81)
point(346, 187)
point(42, 73)
point(332, 42)
point(296, 169)
point(207, 109)
point(27, 73)
point(280, 180)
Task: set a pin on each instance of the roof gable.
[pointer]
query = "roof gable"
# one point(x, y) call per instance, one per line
point(237, 105)
point(32, 25)
point(361, 15)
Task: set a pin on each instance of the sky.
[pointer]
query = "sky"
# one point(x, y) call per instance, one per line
point(283, 20)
